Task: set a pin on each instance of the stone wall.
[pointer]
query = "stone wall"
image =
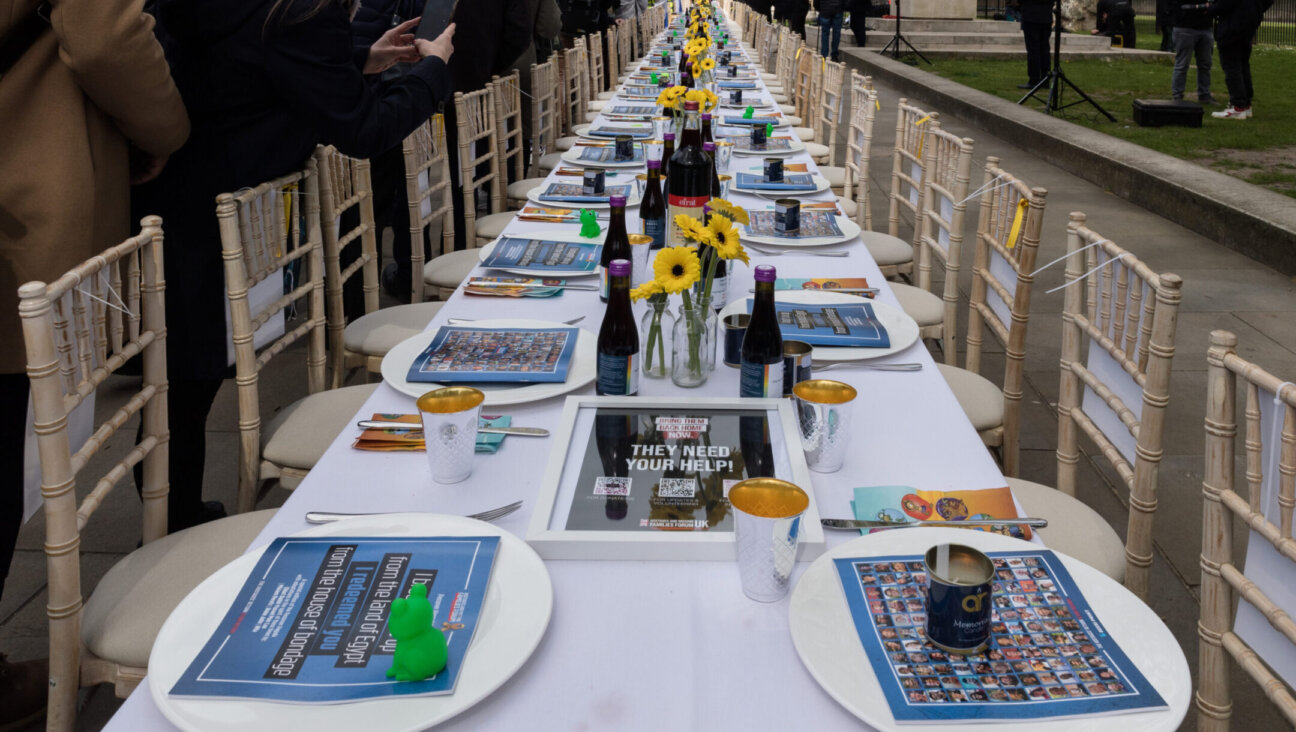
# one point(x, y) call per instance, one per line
point(1079, 16)
point(943, 9)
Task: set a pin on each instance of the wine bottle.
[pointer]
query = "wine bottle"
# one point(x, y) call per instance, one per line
point(706, 129)
point(668, 149)
point(688, 178)
point(618, 338)
point(720, 284)
point(762, 348)
point(652, 211)
point(686, 76)
point(616, 245)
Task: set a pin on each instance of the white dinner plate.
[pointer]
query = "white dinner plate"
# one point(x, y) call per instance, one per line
point(849, 230)
point(901, 329)
point(584, 363)
point(584, 130)
point(632, 200)
point(569, 236)
point(826, 640)
point(794, 147)
point(821, 184)
point(514, 616)
point(573, 156)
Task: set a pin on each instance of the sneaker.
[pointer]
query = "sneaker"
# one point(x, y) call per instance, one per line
point(1206, 100)
point(1231, 112)
point(23, 690)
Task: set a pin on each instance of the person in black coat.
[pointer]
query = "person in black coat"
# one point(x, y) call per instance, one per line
point(792, 12)
point(830, 26)
point(264, 81)
point(1036, 25)
point(1116, 19)
point(1236, 23)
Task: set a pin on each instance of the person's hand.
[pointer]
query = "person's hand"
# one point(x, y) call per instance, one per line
point(396, 45)
point(442, 47)
point(1093, 32)
point(145, 167)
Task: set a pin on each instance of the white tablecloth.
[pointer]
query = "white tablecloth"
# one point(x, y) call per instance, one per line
point(651, 645)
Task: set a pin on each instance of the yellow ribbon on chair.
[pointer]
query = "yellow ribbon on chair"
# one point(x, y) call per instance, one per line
point(1022, 205)
point(287, 192)
point(877, 104)
point(923, 137)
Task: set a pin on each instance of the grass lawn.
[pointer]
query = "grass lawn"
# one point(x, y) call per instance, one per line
point(1261, 150)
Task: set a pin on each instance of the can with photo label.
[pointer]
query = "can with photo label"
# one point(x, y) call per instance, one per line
point(798, 358)
point(624, 147)
point(787, 216)
point(593, 183)
point(735, 97)
point(959, 601)
point(773, 169)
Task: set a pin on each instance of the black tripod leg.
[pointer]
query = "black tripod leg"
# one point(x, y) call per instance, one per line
point(1085, 97)
point(916, 51)
point(1035, 89)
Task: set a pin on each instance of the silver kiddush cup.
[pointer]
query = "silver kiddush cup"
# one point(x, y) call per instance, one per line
point(824, 414)
point(767, 523)
point(450, 431)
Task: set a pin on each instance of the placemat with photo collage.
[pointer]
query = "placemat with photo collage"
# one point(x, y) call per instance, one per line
point(814, 225)
point(1049, 654)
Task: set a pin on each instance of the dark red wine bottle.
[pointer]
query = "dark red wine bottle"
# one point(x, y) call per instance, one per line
point(686, 76)
point(652, 212)
point(689, 176)
point(762, 347)
point(618, 338)
point(719, 285)
point(706, 128)
point(616, 245)
point(668, 149)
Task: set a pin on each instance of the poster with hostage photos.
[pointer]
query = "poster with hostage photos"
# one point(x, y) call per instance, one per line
point(668, 470)
point(1049, 654)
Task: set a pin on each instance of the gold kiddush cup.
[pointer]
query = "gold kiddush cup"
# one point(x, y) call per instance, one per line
point(767, 523)
point(824, 414)
point(450, 431)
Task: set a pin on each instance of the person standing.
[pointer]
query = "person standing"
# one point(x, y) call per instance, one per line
point(859, 14)
point(793, 13)
point(830, 27)
point(1192, 39)
point(1236, 22)
point(1036, 23)
point(1165, 10)
point(86, 105)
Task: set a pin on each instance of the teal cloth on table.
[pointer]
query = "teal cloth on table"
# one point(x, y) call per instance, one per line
point(490, 443)
point(861, 500)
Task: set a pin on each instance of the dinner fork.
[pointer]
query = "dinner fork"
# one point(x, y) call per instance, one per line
point(768, 253)
point(324, 517)
point(462, 321)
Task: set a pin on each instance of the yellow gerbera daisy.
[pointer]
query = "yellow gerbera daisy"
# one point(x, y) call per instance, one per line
point(707, 64)
point(736, 214)
point(691, 227)
point(696, 95)
point(724, 237)
point(676, 269)
point(712, 101)
point(646, 290)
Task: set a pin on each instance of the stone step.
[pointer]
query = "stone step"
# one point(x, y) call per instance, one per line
point(957, 26)
point(1008, 52)
point(941, 39)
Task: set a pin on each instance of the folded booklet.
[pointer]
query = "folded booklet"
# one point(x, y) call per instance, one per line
point(494, 355)
point(735, 84)
point(548, 256)
point(900, 504)
point(639, 132)
point(639, 109)
point(743, 143)
point(592, 154)
point(814, 224)
point(575, 193)
point(821, 283)
point(840, 325)
point(757, 182)
point(513, 287)
point(762, 120)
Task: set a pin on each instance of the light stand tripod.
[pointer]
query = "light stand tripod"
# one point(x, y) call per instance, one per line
point(1055, 78)
point(894, 45)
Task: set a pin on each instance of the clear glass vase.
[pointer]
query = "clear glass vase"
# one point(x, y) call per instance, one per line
point(694, 346)
point(656, 331)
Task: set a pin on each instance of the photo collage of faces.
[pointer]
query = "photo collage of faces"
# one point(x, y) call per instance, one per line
point(1040, 651)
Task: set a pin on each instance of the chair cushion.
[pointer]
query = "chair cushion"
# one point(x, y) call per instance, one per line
point(591, 116)
point(835, 175)
point(792, 119)
point(767, 76)
point(981, 400)
point(780, 98)
point(1074, 528)
point(774, 88)
point(518, 189)
point(450, 269)
point(787, 109)
point(375, 334)
point(124, 614)
point(848, 207)
point(805, 134)
point(885, 249)
point(817, 151)
point(924, 307)
point(565, 143)
point(549, 161)
point(300, 433)
point(604, 96)
point(492, 225)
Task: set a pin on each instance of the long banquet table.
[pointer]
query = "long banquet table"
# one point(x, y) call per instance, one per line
point(644, 645)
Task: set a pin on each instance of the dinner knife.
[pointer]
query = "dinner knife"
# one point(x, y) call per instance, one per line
point(370, 424)
point(848, 524)
point(848, 290)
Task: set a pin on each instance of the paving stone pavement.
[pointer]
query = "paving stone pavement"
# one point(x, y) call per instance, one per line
point(1222, 290)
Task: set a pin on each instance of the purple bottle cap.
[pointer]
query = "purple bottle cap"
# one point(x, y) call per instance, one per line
point(668, 136)
point(619, 268)
point(706, 115)
point(765, 273)
point(654, 163)
point(617, 201)
point(708, 146)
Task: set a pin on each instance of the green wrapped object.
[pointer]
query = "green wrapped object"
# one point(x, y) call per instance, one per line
point(589, 224)
point(653, 77)
point(769, 130)
point(748, 112)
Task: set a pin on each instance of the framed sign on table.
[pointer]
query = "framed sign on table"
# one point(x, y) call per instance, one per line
point(649, 478)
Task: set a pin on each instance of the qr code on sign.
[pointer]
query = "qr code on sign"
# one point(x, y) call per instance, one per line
point(605, 486)
point(677, 488)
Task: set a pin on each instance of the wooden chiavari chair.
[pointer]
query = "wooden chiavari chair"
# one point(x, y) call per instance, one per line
point(571, 96)
point(1245, 613)
point(854, 200)
point(597, 81)
point(831, 106)
point(948, 165)
point(895, 255)
point(429, 189)
point(261, 238)
point(546, 112)
point(509, 133)
point(1008, 236)
point(625, 50)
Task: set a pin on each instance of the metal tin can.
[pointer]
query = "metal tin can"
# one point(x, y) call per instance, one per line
point(733, 72)
point(735, 96)
point(758, 137)
point(735, 328)
point(959, 601)
point(724, 56)
point(787, 216)
point(773, 169)
point(624, 147)
point(593, 182)
point(797, 364)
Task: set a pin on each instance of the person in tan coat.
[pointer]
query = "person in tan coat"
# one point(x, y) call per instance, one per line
point(84, 92)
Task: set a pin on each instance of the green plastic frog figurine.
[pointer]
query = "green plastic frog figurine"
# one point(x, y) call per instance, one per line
point(589, 224)
point(421, 650)
point(748, 112)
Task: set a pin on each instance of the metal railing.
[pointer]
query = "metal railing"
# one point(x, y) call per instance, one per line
point(1277, 28)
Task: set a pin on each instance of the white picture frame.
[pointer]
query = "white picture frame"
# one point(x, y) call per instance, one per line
point(550, 538)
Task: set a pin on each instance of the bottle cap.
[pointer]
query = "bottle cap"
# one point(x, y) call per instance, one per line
point(708, 146)
point(619, 268)
point(765, 273)
point(690, 106)
point(617, 201)
point(668, 136)
point(654, 163)
point(706, 115)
